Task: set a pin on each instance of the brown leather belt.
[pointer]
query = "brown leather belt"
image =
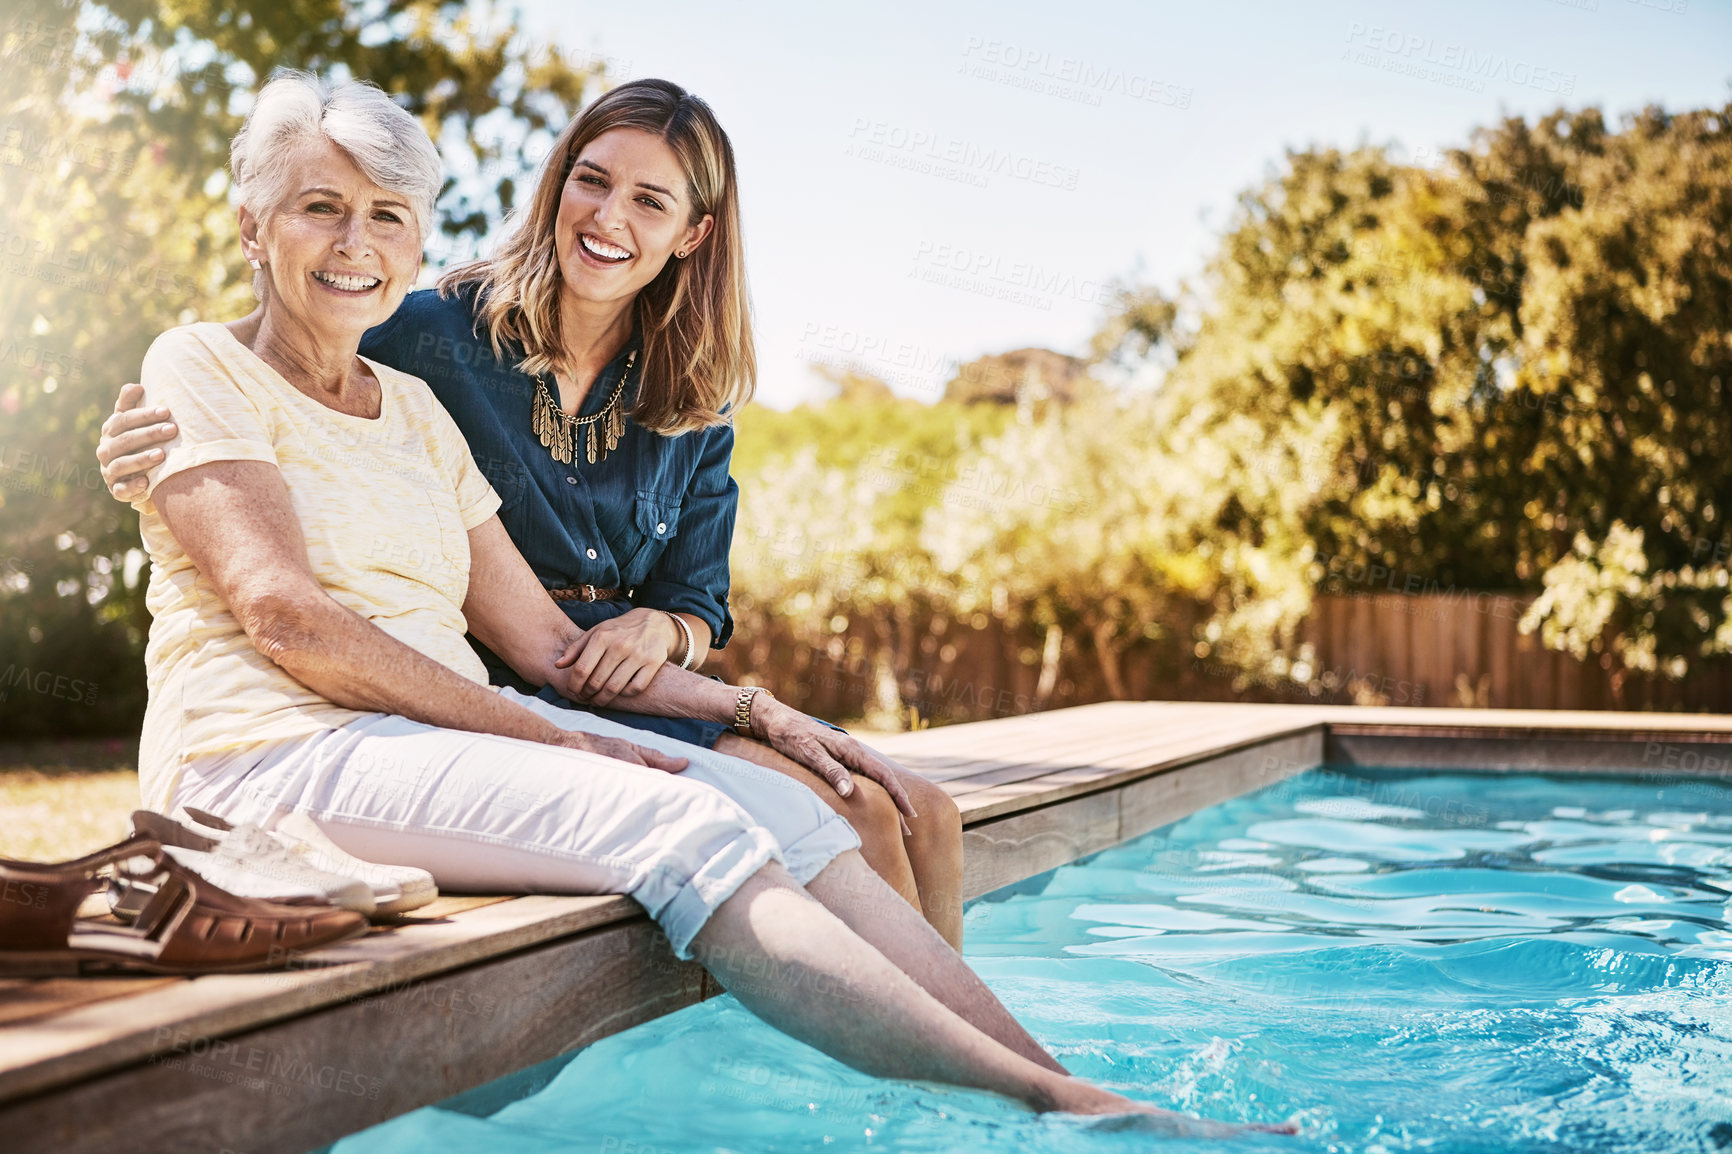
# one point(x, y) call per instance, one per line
point(583, 593)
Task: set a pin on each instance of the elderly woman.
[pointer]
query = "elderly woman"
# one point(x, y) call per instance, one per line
point(593, 365)
point(320, 536)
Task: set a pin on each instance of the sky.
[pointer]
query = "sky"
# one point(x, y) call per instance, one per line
point(926, 182)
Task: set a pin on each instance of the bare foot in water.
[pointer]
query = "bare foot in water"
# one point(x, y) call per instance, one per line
point(1154, 1120)
point(1114, 1112)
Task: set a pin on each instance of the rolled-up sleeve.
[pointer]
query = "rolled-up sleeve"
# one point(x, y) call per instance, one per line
point(691, 575)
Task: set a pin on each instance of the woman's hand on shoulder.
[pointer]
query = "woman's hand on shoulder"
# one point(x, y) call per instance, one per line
point(132, 440)
point(619, 657)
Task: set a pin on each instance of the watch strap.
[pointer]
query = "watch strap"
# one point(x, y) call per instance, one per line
point(743, 708)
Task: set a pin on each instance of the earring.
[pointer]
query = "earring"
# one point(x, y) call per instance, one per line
point(681, 254)
point(255, 265)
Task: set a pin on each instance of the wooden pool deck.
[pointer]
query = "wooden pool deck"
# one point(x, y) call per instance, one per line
point(474, 988)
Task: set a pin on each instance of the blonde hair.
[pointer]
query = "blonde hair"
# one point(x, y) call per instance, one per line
point(698, 363)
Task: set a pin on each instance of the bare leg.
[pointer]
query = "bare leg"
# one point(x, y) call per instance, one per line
point(926, 869)
point(870, 811)
point(799, 968)
point(852, 892)
point(935, 853)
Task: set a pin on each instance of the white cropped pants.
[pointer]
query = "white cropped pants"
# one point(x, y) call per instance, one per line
point(502, 815)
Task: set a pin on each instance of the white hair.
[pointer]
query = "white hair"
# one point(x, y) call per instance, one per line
point(388, 145)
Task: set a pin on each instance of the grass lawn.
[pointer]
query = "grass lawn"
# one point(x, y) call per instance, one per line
point(64, 799)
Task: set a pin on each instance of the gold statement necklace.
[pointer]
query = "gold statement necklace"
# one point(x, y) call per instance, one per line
point(558, 429)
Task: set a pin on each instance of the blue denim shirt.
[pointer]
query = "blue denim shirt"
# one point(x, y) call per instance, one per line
point(655, 517)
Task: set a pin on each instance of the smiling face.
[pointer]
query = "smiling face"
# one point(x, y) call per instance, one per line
point(624, 212)
point(340, 252)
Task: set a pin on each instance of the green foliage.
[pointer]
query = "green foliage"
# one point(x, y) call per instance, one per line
point(827, 550)
point(117, 226)
point(1503, 373)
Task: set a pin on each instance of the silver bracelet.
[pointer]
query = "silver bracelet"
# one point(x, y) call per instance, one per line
point(691, 642)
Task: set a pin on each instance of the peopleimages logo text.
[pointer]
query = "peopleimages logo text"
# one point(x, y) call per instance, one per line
point(877, 139)
point(1070, 76)
point(46, 683)
point(973, 264)
point(1459, 58)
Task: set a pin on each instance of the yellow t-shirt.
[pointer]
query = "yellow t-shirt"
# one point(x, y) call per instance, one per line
point(385, 505)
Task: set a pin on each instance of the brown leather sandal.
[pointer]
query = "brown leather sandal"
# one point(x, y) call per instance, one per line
point(188, 927)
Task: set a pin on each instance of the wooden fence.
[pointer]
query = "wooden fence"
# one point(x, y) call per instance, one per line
point(1466, 649)
point(1458, 649)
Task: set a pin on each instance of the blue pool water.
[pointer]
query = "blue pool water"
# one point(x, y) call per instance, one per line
point(1440, 962)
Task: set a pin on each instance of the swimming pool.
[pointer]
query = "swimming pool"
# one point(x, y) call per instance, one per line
point(1408, 961)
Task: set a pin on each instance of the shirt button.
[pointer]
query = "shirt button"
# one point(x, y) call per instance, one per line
point(662, 527)
point(591, 554)
point(571, 480)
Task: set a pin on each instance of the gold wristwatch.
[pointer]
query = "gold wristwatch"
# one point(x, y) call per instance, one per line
point(743, 708)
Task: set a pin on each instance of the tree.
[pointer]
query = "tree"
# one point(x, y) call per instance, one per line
point(1104, 521)
point(1628, 323)
point(1506, 373)
point(118, 226)
point(1021, 377)
point(828, 556)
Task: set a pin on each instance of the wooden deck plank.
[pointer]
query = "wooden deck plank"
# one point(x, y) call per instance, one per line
point(1130, 739)
point(1151, 748)
point(950, 764)
point(92, 1037)
point(1113, 736)
point(22, 999)
point(300, 1083)
point(1126, 754)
